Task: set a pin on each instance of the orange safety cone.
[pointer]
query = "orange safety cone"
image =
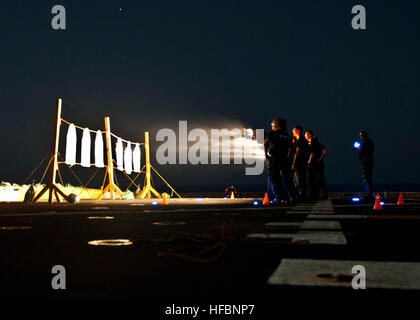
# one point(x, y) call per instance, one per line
point(266, 200)
point(164, 199)
point(400, 199)
point(377, 205)
point(232, 196)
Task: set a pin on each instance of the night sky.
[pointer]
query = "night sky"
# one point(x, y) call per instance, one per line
point(149, 64)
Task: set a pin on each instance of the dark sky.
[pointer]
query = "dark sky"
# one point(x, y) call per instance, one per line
point(156, 62)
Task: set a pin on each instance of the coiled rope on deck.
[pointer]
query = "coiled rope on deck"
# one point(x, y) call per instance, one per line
point(218, 234)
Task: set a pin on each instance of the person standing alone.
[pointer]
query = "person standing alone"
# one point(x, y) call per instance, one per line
point(366, 149)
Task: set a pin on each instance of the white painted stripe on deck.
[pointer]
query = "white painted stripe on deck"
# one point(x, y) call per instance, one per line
point(312, 209)
point(270, 235)
point(379, 274)
point(308, 224)
point(322, 225)
point(283, 224)
point(337, 216)
point(297, 212)
point(321, 237)
point(329, 213)
point(329, 232)
point(314, 237)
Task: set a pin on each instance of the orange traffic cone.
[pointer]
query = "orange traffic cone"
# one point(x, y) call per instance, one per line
point(164, 199)
point(400, 199)
point(232, 196)
point(377, 205)
point(266, 200)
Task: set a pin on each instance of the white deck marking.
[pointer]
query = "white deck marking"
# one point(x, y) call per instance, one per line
point(323, 225)
point(337, 216)
point(316, 232)
point(297, 212)
point(308, 224)
point(324, 212)
point(314, 237)
point(379, 274)
point(321, 237)
point(283, 224)
point(270, 235)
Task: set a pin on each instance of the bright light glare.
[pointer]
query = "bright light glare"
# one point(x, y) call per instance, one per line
point(199, 199)
point(100, 218)
point(154, 203)
point(256, 203)
point(110, 242)
point(357, 145)
point(355, 199)
point(16, 228)
point(249, 133)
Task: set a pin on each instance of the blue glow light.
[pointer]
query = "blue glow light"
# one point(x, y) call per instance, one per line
point(154, 203)
point(382, 203)
point(355, 199)
point(255, 203)
point(356, 145)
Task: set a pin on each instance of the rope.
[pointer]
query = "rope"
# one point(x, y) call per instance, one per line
point(103, 182)
point(79, 164)
point(132, 181)
point(173, 190)
point(65, 121)
point(112, 134)
point(128, 177)
point(46, 169)
point(90, 179)
point(36, 168)
point(59, 175)
point(126, 141)
point(116, 180)
point(219, 233)
point(136, 177)
point(77, 178)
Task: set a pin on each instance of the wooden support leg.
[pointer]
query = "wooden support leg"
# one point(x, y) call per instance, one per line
point(40, 194)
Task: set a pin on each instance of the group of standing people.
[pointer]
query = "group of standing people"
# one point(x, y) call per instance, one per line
point(295, 164)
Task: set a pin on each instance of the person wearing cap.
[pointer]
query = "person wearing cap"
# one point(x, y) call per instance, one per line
point(277, 146)
point(299, 159)
point(366, 162)
point(316, 168)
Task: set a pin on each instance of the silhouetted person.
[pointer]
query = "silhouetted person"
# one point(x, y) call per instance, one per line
point(316, 168)
point(277, 146)
point(366, 161)
point(300, 156)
